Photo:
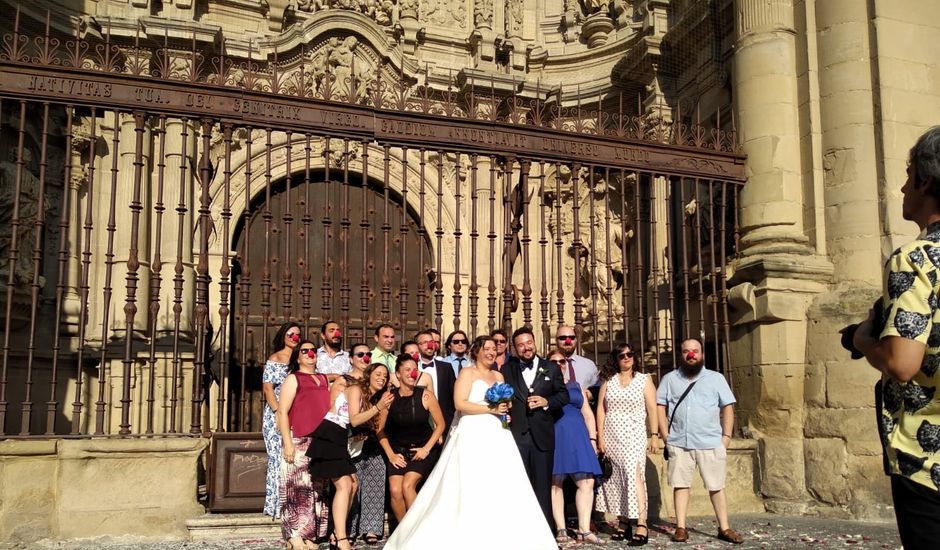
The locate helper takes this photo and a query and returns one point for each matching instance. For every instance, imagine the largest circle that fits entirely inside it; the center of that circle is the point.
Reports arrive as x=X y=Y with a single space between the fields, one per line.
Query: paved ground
x=761 y=531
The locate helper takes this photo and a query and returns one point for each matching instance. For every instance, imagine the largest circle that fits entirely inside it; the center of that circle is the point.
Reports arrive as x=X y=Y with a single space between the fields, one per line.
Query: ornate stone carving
x=28 y=210
x=514 y=18
x=606 y=256
x=335 y=68
x=378 y=10
x=446 y=13
x=483 y=14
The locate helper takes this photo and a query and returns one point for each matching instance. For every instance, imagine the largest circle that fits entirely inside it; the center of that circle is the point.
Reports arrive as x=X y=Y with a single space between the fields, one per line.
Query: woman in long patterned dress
x=305 y=400
x=366 y=401
x=627 y=408
x=275 y=371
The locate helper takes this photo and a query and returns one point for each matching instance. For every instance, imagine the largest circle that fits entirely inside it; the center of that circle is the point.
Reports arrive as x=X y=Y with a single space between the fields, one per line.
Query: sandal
x=587 y=536
x=371 y=539
x=640 y=540
x=561 y=536
x=619 y=532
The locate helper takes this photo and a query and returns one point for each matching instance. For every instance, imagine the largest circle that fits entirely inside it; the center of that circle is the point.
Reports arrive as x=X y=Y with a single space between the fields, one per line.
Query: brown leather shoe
x=681 y=535
x=730 y=535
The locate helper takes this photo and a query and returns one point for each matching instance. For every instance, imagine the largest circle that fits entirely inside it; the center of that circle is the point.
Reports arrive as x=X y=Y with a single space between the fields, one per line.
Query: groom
x=539 y=396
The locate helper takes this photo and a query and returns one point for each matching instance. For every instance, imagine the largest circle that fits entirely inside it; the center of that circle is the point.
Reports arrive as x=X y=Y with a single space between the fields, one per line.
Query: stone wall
x=879 y=89
x=64 y=488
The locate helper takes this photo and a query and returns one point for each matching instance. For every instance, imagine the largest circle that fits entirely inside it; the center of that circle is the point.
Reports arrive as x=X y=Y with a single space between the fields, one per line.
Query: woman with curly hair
x=626 y=409
x=366 y=401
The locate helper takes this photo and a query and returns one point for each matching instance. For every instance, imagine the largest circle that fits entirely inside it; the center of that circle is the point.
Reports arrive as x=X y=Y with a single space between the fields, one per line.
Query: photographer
x=907 y=352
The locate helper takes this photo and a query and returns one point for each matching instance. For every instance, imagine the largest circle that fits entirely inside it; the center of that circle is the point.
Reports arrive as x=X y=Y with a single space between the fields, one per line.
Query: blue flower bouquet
x=499 y=393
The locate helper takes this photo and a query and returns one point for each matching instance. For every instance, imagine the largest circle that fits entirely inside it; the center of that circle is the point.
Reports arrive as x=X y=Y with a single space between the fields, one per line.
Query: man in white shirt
x=332 y=359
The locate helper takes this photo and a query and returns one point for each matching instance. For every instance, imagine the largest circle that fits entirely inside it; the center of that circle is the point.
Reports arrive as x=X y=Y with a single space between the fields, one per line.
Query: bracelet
x=593 y=439
x=726 y=435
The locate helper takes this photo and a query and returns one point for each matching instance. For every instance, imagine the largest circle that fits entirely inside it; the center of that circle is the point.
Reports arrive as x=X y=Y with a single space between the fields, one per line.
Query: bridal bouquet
x=499 y=393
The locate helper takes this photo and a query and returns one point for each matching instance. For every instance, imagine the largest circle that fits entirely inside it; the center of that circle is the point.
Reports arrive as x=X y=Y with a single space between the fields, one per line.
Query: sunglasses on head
x=363 y=354
x=458 y=341
x=565 y=337
x=308 y=351
x=625 y=355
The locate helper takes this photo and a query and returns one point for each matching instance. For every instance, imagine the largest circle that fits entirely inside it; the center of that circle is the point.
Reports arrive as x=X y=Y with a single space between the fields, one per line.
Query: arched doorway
x=320 y=248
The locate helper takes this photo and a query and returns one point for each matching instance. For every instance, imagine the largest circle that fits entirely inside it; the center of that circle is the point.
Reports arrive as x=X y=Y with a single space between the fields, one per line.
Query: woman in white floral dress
x=626 y=409
x=275 y=371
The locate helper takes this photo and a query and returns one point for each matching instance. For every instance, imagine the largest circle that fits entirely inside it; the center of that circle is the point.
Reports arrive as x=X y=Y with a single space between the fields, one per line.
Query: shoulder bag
x=673 y=415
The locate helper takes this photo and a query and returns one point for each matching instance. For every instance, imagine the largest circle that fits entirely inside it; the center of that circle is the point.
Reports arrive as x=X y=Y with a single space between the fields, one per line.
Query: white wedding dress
x=478 y=496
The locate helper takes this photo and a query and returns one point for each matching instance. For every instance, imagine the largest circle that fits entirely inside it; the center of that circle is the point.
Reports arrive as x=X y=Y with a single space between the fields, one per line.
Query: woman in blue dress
x=275 y=371
x=575 y=456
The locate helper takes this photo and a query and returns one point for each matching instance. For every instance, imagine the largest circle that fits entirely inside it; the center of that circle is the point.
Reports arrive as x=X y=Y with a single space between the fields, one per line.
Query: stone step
x=234 y=526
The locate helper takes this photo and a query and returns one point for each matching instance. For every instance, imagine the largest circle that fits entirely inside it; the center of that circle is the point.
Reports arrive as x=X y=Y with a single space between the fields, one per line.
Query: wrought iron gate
x=166 y=208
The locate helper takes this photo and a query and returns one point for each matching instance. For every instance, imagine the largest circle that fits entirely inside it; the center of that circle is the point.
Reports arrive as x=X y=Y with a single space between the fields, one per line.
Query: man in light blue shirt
x=699 y=435
x=458 y=344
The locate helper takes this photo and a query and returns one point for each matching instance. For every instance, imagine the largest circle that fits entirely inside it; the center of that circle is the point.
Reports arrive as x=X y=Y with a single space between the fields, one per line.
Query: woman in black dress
x=406 y=435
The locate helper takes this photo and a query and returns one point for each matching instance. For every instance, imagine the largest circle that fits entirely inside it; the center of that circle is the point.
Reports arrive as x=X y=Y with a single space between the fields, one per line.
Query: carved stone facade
x=824 y=129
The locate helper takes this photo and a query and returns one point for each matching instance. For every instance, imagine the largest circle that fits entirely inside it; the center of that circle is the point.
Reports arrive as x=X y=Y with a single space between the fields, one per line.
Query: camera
x=878 y=325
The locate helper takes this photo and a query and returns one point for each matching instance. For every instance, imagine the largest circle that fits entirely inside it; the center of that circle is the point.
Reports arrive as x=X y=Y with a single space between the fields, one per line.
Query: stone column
x=778 y=276
x=765 y=80
x=843 y=458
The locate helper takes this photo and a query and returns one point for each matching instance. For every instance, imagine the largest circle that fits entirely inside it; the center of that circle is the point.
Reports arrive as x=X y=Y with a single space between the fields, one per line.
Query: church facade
x=180 y=177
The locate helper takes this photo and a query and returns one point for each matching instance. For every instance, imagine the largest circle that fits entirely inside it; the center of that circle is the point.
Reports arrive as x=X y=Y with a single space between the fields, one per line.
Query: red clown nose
x=337 y=333
x=690 y=356
x=414 y=375
x=415 y=356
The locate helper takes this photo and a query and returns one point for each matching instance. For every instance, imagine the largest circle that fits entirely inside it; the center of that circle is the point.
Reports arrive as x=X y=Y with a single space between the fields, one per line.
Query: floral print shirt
x=910 y=413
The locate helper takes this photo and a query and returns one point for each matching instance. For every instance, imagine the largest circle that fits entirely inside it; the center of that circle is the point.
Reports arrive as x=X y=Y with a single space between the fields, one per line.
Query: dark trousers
x=538 y=465
x=917 y=509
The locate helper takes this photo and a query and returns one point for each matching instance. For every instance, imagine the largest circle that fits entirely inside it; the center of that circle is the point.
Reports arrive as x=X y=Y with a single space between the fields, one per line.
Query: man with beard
x=440 y=373
x=695 y=410
x=332 y=359
x=540 y=395
x=585 y=370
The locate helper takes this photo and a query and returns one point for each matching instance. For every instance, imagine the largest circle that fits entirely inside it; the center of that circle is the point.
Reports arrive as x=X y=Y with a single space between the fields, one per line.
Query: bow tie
x=527 y=366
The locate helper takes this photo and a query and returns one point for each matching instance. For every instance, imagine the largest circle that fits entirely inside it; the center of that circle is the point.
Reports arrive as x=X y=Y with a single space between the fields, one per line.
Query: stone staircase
x=233 y=526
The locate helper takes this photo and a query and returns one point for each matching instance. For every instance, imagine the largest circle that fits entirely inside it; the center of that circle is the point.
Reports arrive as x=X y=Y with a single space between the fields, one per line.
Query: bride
x=478 y=495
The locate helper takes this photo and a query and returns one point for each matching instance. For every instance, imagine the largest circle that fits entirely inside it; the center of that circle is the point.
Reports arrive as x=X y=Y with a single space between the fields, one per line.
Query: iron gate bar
x=58 y=84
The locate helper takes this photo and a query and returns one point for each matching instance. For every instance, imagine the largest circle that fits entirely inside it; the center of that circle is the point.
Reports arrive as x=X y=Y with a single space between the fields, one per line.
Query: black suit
x=445 y=391
x=534 y=429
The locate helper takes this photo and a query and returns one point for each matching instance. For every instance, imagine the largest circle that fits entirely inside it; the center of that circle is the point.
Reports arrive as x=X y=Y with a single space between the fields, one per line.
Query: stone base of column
x=769 y=300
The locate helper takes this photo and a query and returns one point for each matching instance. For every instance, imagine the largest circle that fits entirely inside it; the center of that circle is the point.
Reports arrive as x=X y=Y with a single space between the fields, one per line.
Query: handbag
x=354 y=446
x=673 y=415
x=607 y=467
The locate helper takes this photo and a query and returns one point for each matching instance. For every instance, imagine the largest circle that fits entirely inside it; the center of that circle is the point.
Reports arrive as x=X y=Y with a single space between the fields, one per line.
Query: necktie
x=571 y=376
x=460 y=361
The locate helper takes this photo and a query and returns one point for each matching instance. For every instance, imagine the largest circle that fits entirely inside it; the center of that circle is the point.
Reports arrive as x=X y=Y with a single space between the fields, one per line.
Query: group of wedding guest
x=352 y=423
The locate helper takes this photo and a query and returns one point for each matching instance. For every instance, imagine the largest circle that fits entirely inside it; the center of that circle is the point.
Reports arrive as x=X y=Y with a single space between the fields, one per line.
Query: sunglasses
x=565 y=337
x=458 y=341
x=500 y=342
x=625 y=355
x=363 y=354
x=308 y=351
